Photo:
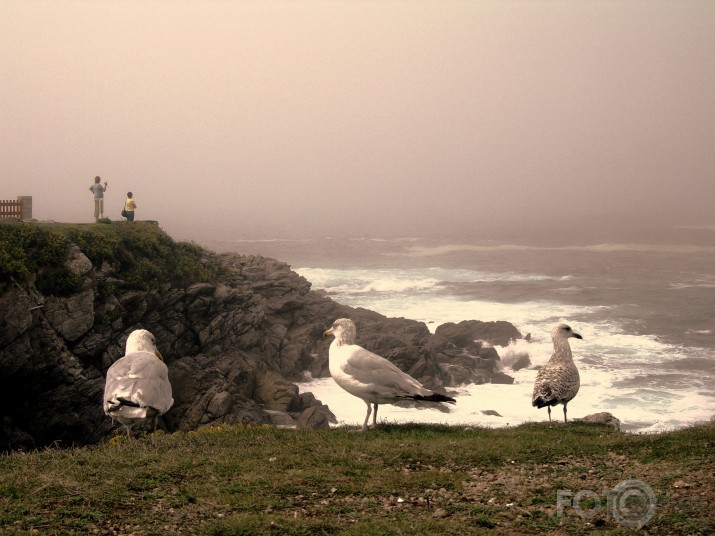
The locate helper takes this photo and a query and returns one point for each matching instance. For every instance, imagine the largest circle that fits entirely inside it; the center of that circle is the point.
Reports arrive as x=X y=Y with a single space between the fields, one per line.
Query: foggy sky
x=280 y=118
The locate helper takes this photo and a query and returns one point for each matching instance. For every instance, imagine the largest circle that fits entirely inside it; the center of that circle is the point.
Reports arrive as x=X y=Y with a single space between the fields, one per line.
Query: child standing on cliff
x=98 y=190
x=129 y=206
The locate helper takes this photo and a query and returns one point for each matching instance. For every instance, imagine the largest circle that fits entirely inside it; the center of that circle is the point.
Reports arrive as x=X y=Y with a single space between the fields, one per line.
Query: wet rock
x=501 y=378
x=522 y=361
x=601 y=418
x=465 y=333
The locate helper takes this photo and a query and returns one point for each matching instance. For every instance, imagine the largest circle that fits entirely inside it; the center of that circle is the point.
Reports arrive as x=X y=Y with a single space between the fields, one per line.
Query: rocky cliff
x=234 y=343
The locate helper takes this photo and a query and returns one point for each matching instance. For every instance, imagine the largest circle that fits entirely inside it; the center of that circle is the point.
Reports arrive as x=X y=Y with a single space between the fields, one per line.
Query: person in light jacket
x=98 y=190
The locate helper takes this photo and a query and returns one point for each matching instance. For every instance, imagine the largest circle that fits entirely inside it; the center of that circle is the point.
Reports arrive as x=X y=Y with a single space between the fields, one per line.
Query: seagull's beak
x=158 y=354
x=328 y=332
x=577 y=335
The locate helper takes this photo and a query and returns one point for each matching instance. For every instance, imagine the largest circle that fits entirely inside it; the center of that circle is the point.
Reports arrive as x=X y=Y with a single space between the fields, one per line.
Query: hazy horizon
x=269 y=118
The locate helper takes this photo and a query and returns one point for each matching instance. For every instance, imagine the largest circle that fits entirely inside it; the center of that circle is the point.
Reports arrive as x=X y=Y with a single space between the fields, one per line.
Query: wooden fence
x=20 y=209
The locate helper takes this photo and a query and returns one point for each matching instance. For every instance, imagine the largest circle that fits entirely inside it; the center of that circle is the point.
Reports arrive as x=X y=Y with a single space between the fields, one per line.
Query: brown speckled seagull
x=558 y=381
x=369 y=376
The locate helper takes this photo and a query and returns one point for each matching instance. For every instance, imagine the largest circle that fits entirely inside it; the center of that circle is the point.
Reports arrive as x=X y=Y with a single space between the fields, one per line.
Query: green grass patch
x=398 y=479
x=142 y=255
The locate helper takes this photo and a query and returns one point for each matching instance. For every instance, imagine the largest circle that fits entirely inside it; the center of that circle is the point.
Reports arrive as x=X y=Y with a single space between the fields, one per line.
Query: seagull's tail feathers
x=542 y=402
x=544 y=396
x=121 y=401
x=123 y=408
x=434 y=397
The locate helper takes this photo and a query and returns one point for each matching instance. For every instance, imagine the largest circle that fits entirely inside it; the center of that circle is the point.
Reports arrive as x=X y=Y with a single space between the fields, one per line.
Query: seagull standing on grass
x=558 y=381
x=137 y=389
x=370 y=377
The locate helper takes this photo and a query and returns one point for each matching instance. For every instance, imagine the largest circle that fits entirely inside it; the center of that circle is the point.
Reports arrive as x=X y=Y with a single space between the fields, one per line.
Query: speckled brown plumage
x=558 y=381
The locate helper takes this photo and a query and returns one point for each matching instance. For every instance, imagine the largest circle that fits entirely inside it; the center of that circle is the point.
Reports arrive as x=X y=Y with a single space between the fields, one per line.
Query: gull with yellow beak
x=369 y=376
x=137 y=389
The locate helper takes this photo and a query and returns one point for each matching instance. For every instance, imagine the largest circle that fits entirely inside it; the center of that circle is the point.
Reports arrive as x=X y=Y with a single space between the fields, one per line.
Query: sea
x=644 y=304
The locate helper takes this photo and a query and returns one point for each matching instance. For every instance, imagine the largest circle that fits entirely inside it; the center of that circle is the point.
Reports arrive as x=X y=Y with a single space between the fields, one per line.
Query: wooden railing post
x=25 y=207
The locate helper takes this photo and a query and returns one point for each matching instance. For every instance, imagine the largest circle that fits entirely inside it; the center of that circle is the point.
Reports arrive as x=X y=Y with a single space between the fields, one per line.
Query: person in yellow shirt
x=129 y=207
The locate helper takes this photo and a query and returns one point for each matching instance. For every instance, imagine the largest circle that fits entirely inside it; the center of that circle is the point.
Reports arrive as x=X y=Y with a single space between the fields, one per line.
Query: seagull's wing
x=379 y=376
x=554 y=383
x=140 y=378
x=541 y=389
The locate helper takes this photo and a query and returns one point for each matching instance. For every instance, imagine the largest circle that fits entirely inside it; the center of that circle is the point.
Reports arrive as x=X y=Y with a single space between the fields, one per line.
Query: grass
x=398 y=479
x=145 y=256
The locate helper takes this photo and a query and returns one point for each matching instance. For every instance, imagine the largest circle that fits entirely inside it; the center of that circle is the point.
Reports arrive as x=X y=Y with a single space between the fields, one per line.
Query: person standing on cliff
x=98 y=190
x=129 y=206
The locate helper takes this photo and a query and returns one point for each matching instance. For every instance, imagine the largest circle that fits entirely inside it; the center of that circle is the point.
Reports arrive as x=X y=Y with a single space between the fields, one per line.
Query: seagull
x=369 y=376
x=557 y=382
x=137 y=389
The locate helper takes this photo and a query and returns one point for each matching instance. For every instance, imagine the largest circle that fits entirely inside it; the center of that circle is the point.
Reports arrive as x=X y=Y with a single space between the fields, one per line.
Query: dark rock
x=71 y=317
x=490 y=412
x=522 y=361
x=316 y=417
x=501 y=378
x=281 y=419
x=465 y=333
x=276 y=393
x=15 y=314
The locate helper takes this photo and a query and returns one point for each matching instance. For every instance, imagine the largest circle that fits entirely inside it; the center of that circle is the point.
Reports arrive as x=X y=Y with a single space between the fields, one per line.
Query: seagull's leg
x=367 y=417
x=374 y=417
x=565 y=419
x=129 y=434
x=155 y=421
x=549 y=408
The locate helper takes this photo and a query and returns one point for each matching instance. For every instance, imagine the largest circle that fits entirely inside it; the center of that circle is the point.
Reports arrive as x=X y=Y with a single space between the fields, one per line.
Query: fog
x=279 y=119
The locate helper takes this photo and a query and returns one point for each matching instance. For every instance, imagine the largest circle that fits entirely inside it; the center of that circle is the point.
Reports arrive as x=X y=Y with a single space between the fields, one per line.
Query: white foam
x=637 y=411
x=622 y=373
x=433 y=251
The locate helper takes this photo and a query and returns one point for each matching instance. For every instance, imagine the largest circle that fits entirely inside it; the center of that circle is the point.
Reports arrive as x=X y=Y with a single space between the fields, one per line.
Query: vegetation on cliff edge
x=144 y=255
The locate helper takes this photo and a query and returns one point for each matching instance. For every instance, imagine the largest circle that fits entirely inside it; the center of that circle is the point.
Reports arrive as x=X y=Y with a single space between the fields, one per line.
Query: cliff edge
x=235 y=331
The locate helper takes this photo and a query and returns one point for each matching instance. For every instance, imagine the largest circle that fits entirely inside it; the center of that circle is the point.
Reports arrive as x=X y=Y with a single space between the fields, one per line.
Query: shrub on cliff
x=28 y=251
x=144 y=255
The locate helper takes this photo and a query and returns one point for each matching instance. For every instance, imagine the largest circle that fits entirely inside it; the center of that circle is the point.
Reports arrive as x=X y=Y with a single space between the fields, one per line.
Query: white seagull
x=558 y=381
x=370 y=377
x=137 y=389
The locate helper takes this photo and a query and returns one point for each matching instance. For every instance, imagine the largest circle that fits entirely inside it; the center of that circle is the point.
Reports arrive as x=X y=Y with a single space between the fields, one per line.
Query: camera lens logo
x=632 y=503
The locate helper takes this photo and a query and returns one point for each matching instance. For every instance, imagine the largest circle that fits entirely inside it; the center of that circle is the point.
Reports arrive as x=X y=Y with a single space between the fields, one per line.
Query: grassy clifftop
x=407 y=479
x=145 y=255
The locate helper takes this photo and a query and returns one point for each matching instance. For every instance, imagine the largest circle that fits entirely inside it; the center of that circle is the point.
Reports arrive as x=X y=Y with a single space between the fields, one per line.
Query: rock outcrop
x=601 y=418
x=474 y=332
x=234 y=347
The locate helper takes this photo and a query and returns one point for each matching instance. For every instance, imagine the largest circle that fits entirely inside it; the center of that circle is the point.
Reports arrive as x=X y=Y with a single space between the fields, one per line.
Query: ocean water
x=645 y=308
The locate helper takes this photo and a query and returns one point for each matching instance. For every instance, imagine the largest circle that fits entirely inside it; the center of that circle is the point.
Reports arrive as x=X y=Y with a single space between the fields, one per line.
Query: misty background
x=261 y=119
